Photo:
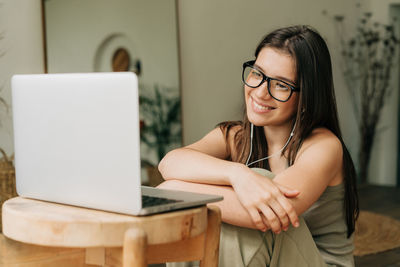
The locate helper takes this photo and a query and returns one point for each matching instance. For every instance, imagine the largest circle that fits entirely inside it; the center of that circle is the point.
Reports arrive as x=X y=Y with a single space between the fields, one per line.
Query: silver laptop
x=76 y=140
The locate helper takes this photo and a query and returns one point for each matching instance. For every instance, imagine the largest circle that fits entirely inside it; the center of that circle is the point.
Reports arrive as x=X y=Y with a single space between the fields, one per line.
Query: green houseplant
x=160 y=114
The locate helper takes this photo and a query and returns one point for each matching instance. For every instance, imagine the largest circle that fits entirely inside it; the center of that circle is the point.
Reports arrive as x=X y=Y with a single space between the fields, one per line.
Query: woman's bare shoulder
x=219 y=142
x=322 y=140
x=322 y=135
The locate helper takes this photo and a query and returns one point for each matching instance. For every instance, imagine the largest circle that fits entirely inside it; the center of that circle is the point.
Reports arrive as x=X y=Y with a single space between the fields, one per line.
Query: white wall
x=20 y=24
x=76 y=29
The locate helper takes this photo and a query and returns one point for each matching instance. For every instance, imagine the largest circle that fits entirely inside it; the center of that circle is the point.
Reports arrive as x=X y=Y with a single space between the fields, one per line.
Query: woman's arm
x=201 y=162
x=318 y=164
x=232 y=211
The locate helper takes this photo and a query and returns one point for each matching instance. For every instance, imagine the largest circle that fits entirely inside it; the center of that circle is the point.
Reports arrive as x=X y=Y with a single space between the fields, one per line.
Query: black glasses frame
x=268 y=79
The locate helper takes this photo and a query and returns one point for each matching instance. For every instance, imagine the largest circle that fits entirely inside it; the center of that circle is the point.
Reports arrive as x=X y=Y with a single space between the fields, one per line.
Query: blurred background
x=188 y=55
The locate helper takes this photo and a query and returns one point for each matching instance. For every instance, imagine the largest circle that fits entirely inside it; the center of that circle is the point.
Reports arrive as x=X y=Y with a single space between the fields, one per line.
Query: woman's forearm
x=232 y=211
x=193 y=166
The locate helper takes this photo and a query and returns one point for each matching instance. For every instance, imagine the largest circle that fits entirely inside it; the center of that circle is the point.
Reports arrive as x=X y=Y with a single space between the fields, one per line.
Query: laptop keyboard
x=148 y=201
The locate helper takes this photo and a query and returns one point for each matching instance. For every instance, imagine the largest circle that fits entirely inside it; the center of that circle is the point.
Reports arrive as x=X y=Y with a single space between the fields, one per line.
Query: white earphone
x=278 y=152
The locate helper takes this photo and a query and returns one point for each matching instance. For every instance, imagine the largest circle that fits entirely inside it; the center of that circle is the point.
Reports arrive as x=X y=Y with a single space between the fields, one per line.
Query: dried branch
x=367 y=60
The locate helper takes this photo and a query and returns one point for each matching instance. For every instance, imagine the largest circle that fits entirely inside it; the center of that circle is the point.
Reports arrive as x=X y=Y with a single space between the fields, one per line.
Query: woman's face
x=262 y=109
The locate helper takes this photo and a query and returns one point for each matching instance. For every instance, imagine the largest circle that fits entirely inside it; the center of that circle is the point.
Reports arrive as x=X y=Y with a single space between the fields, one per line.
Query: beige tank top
x=326 y=220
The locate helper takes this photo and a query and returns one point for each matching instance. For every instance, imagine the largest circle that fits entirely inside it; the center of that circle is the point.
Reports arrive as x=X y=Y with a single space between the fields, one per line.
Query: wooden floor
x=383 y=200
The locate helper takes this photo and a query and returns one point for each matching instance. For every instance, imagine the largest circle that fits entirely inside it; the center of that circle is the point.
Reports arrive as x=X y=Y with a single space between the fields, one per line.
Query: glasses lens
x=279 y=90
x=252 y=77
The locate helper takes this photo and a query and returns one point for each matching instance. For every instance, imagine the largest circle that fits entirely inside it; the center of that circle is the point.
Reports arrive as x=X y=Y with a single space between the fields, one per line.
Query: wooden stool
x=49 y=234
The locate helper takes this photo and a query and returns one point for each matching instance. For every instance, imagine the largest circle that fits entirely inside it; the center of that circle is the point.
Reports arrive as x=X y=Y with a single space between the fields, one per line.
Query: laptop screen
x=77 y=139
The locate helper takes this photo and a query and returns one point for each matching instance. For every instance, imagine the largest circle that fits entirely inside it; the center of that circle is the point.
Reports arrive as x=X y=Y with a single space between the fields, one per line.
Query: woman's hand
x=265 y=200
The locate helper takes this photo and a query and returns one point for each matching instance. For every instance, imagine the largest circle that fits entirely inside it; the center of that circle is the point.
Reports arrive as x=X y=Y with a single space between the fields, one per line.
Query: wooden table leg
x=14 y=254
x=211 y=253
x=95 y=256
x=135 y=246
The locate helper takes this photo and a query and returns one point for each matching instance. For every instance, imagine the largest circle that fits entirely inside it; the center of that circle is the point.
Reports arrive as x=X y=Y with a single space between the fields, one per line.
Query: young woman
x=290 y=134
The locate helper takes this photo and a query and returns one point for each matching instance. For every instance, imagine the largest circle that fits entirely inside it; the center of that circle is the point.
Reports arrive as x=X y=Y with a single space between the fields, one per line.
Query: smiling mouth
x=261 y=107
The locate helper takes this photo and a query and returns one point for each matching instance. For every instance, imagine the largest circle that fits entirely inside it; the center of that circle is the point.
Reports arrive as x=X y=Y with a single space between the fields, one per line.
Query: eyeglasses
x=278 y=89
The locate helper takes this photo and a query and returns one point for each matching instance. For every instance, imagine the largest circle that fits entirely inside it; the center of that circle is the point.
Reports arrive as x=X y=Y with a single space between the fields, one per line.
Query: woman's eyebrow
x=276 y=77
x=286 y=80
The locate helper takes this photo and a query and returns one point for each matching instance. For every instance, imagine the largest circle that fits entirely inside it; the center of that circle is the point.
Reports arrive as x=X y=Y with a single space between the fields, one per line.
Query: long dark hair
x=317 y=107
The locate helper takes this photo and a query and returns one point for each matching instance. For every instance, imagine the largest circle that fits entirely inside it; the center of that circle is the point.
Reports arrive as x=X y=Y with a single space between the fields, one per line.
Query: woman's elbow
x=163 y=166
x=170 y=184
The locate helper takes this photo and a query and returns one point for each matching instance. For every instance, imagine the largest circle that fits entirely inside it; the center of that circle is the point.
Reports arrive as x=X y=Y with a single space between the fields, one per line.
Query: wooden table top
x=50 y=224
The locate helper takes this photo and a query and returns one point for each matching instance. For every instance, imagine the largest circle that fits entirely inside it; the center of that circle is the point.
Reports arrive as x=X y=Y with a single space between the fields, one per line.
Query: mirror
x=123 y=35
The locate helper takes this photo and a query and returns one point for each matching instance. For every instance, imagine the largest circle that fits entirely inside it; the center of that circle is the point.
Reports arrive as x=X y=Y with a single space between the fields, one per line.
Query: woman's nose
x=262 y=90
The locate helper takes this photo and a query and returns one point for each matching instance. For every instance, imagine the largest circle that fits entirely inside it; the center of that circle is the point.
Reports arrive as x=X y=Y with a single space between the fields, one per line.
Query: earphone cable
x=251 y=144
x=280 y=151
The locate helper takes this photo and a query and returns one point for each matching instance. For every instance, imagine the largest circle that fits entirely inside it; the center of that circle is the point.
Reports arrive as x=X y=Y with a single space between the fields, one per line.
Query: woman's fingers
x=265 y=221
x=274 y=198
x=287 y=191
x=271 y=217
x=289 y=210
x=281 y=213
x=263 y=197
x=286 y=205
x=257 y=220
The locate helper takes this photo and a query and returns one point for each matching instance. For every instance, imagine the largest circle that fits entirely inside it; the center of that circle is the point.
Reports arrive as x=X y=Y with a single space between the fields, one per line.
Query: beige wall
x=216 y=37
x=146 y=28
x=20 y=24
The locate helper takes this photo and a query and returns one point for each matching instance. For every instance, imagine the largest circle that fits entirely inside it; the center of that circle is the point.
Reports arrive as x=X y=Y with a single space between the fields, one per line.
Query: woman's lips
x=259 y=107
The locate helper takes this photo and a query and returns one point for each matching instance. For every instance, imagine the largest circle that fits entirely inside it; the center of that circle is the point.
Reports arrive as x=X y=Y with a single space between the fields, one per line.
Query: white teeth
x=261 y=107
